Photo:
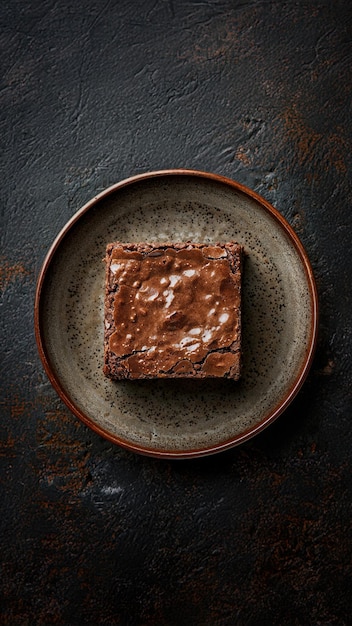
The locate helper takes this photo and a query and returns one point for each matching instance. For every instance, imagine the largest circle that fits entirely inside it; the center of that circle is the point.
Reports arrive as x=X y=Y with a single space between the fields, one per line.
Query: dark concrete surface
x=92 y=92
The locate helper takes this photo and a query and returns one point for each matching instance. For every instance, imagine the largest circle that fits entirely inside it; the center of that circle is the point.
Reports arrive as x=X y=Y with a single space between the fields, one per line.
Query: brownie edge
x=173 y=310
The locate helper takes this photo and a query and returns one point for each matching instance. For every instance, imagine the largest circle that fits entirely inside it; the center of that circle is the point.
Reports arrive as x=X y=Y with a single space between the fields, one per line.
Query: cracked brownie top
x=173 y=310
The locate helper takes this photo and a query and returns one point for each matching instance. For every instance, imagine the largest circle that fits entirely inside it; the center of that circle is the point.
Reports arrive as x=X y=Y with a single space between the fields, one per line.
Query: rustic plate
x=178 y=419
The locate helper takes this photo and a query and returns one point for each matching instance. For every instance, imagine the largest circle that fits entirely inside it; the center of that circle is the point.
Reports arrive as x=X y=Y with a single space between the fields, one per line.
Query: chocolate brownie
x=173 y=310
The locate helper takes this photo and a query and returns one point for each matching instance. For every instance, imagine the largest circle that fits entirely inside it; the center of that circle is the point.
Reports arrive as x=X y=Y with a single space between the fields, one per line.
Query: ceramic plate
x=178 y=418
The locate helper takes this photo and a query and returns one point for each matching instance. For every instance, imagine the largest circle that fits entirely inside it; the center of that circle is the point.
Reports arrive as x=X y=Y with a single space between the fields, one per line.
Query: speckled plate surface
x=176 y=418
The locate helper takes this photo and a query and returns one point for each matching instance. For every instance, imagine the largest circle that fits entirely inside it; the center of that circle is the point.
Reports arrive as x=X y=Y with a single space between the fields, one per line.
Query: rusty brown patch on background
x=337 y=147
x=304 y=138
x=306 y=141
x=18 y=406
x=231 y=36
x=242 y=155
x=7 y=443
x=328 y=368
x=63 y=456
x=10 y=272
x=298 y=222
x=61 y=453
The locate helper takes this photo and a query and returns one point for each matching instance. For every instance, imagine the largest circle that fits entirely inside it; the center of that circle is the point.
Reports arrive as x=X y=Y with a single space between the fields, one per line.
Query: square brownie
x=173 y=310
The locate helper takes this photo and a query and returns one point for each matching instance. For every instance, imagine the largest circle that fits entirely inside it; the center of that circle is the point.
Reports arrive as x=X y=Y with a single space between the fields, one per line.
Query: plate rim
x=288 y=396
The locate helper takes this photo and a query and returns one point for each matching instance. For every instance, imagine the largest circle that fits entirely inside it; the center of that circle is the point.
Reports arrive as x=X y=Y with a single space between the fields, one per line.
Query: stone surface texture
x=92 y=92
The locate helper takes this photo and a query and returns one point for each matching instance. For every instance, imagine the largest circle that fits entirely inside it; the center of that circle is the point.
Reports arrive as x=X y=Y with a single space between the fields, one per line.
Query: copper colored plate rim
x=252 y=431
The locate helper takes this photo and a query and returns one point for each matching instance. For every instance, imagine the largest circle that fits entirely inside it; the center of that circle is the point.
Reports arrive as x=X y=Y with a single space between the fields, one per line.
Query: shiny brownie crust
x=173 y=310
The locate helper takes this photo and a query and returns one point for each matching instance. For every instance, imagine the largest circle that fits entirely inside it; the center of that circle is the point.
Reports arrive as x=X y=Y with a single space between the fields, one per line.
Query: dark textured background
x=92 y=92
